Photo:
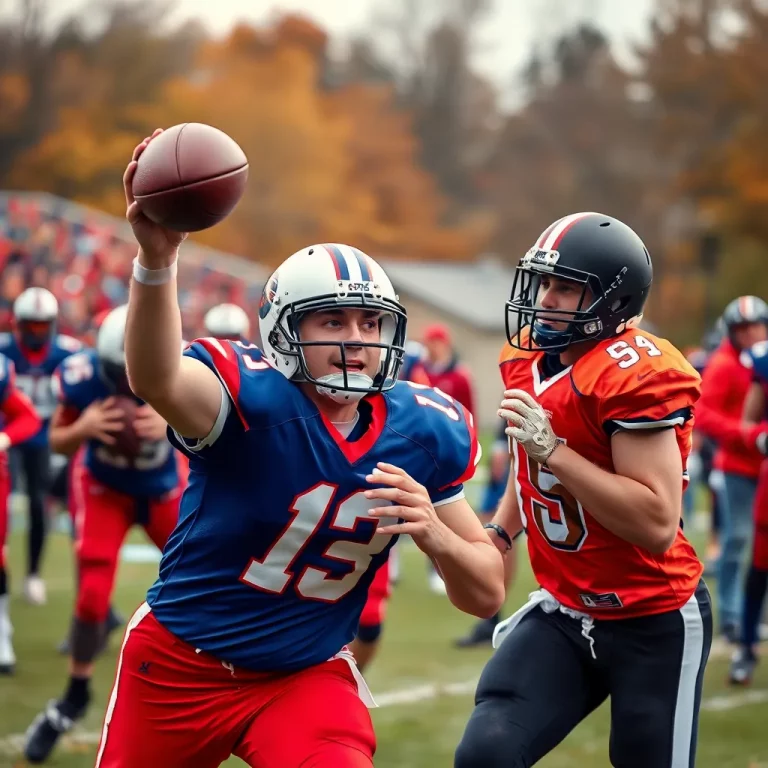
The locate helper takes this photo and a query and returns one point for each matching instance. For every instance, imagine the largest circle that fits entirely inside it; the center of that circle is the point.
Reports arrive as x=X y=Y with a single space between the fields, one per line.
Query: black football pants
x=542 y=681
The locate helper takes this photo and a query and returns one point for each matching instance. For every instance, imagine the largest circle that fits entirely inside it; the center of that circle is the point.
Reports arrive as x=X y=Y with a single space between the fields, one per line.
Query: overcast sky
x=502 y=43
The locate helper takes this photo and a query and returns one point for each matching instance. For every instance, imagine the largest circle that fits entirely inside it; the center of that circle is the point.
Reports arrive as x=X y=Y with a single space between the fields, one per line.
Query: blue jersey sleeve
x=74 y=380
x=64 y=346
x=246 y=380
x=756 y=358
x=448 y=432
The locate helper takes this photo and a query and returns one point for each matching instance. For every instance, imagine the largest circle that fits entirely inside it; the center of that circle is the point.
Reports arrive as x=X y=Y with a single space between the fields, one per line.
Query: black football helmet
x=604 y=256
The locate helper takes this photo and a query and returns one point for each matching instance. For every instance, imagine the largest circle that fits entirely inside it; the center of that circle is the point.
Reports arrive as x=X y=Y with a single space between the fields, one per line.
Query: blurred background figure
x=36 y=349
x=443 y=367
x=227 y=321
x=719 y=416
x=498 y=473
x=445 y=372
x=703 y=478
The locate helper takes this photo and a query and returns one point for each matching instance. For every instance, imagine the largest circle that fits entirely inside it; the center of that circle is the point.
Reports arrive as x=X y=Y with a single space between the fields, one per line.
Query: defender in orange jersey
x=600 y=417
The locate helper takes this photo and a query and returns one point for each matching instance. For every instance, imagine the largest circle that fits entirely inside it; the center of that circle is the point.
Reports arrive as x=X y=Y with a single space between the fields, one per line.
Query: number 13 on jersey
x=280 y=565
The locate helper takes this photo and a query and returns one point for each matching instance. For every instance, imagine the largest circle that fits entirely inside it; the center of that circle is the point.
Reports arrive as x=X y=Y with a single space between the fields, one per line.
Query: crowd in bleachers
x=84 y=259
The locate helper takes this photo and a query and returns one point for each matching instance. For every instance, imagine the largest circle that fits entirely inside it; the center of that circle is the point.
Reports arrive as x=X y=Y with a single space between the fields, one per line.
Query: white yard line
x=13 y=744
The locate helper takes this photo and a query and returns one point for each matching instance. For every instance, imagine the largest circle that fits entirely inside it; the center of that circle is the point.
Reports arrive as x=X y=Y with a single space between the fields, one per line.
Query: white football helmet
x=34 y=312
x=325 y=277
x=227 y=321
x=110 y=348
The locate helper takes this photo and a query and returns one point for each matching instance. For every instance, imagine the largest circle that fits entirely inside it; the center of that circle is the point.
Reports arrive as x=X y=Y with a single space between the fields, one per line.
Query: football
x=127 y=442
x=190 y=177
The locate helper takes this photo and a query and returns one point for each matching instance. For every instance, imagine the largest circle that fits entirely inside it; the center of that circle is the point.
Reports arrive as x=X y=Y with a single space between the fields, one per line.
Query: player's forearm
x=473 y=574
x=508 y=517
x=66 y=439
x=624 y=506
x=153 y=336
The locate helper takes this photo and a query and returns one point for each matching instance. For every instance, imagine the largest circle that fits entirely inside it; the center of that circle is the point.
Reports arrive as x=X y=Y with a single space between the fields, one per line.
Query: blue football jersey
x=756 y=358
x=34 y=374
x=151 y=474
x=270 y=563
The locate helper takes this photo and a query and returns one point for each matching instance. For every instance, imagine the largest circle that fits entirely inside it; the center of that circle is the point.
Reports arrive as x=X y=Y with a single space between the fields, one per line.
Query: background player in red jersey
x=443 y=368
x=126 y=474
x=292 y=506
x=18 y=422
x=744 y=659
x=724 y=388
x=600 y=416
x=444 y=372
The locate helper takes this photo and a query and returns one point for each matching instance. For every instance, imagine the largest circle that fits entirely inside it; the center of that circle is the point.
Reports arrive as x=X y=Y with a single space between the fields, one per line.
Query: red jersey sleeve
x=713 y=416
x=22 y=421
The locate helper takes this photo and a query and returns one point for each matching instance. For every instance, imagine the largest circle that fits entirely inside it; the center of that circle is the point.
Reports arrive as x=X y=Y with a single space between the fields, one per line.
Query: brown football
x=190 y=177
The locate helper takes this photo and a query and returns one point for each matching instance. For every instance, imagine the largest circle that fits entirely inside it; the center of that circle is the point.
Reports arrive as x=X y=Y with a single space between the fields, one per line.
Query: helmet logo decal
x=542 y=259
x=268 y=296
x=617 y=281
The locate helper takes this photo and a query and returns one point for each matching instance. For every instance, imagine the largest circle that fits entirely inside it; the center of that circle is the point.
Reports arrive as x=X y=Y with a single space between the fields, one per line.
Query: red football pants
x=5 y=490
x=103 y=518
x=760 y=546
x=176 y=708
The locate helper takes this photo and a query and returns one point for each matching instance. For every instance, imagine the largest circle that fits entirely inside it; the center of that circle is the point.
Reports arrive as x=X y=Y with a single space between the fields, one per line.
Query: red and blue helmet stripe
x=349 y=263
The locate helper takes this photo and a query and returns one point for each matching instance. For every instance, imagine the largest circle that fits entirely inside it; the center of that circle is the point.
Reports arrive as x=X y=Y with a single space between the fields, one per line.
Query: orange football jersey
x=632 y=381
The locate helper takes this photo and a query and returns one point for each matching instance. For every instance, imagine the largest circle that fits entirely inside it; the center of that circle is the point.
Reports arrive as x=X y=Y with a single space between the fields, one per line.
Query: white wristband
x=154 y=276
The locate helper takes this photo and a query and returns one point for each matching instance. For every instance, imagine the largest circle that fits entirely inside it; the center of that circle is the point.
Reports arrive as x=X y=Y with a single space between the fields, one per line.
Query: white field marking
x=74 y=742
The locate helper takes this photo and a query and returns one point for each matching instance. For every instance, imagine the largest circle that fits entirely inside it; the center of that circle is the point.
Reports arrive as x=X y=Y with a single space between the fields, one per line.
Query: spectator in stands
x=443 y=367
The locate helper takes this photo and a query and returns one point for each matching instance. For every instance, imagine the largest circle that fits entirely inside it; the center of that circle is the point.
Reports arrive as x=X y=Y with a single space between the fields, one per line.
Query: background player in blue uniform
x=290 y=510
x=18 y=421
x=756 y=585
x=36 y=350
x=116 y=483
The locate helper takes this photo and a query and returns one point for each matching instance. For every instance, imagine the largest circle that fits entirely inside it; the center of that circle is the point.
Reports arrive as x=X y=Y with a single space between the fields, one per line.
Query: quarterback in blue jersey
x=125 y=473
x=297 y=491
x=744 y=658
x=36 y=350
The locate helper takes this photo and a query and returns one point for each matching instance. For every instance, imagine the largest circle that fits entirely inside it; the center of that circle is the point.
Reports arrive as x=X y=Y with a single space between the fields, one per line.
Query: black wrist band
x=502 y=534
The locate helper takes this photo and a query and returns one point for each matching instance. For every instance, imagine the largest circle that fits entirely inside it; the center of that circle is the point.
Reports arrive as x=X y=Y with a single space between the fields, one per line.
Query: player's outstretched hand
x=149 y=424
x=528 y=424
x=158 y=243
x=101 y=420
x=410 y=502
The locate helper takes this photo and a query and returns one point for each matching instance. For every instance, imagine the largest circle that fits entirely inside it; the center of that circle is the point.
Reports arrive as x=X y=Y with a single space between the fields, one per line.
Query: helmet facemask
x=346 y=385
x=597 y=314
x=35 y=335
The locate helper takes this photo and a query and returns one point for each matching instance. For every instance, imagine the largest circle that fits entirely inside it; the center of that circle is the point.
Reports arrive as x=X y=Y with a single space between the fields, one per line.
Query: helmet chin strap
x=331 y=386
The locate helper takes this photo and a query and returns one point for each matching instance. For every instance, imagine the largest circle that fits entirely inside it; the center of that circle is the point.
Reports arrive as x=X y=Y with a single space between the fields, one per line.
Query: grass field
x=423 y=683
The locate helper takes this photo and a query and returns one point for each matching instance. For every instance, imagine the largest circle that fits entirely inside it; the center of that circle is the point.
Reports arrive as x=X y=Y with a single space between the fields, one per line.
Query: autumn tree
x=98 y=85
x=425 y=48
x=706 y=70
x=577 y=144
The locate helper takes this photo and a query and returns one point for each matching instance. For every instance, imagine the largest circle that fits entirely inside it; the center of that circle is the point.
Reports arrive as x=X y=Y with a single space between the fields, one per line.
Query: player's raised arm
x=182 y=390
